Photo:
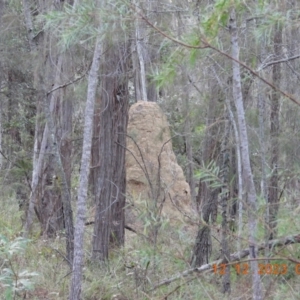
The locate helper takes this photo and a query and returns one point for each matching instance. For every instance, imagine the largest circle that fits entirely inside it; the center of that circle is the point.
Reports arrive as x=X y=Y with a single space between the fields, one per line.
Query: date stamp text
x=263 y=269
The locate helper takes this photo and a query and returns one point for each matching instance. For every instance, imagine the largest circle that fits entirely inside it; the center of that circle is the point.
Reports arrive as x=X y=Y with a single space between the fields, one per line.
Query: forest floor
x=39 y=269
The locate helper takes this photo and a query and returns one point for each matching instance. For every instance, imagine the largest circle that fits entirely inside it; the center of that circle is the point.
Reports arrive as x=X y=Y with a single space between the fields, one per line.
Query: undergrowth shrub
x=13 y=279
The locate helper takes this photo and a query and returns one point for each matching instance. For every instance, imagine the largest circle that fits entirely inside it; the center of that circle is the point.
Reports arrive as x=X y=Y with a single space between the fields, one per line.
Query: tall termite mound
x=152 y=171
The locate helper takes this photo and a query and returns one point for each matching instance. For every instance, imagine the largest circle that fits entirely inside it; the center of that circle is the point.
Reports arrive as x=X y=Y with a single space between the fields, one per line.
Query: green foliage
x=12 y=279
x=218 y=17
x=213 y=19
x=86 y=21
x=15 y=5
x=167 y=72
x=149 y=213
x=269 y=17
x=22 y=166
x=200 y=129
x=210 y=175
x=71 y=25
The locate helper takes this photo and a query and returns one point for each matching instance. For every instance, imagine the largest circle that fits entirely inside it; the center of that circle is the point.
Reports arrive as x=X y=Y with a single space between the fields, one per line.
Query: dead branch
x=286 y=59
x=237 y=256
x=68 y=83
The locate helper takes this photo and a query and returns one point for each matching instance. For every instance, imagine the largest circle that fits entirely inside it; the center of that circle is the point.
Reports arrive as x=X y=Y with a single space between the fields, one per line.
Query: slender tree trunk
x=249 y=187
x=50 y=190
x=49 y=205
x=207 y=199
x=189 y=149
x=64 y=185
x=239 y=172
x=142 y=71
x=261 y=99
x=37 y=160
x=37 y=167
x=187 y=122
x=273 y=197
x=290 y=78
x=75 y=288
x=236 y=167
x=145 y=52
x=224 y=198
x=65 y=132
x=29 y=25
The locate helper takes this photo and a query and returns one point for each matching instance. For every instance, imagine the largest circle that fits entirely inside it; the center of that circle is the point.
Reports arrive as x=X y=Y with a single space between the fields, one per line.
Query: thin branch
x=278 y=62
x=145 y=171
x=294 y=71
x=5 y=157
x=193 y=84
x=68 y=83
x=275 y=88
x=165 y=34
x=61 y=254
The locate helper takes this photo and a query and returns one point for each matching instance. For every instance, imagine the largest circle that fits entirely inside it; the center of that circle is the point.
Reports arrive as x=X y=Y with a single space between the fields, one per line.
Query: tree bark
x=207 y=199
x=249 y=187
x=144 y=54
x=273 y=197
x=63 y=206
x=75 y=287
x=111 y=187
x=141 y=75
x=29 y=25
x=189 y=149
x=50 y=189
x=224 y=198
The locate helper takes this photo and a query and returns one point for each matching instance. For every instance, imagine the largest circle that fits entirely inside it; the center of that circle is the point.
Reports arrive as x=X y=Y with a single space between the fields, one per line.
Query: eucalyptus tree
x=248 y=182
x=207 y=197
x=109 y=181
x=50 y=189
x=75 y=288
x=145 y=55
x=273 y=194
x=289 y=133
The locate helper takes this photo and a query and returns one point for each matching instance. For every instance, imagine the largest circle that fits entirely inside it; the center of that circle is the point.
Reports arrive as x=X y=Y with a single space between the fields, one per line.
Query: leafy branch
x=204 y=43
x=13 y=280
x=210 y=175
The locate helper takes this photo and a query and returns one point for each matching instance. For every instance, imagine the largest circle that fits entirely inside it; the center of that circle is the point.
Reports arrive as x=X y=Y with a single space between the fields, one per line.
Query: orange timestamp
x=263 y=269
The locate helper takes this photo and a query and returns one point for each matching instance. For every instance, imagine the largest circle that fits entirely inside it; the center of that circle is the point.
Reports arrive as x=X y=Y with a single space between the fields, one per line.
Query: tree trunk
x=189 y=149
x=111 y=188
x=141 y=73
x=207 y=199
x=144 y=54
x=50 y=189
x=75 y=287
x=62 y=207
x=248 y=183
x=273 y=197
x=238 y=169
x=224 y=198
x=29 y=25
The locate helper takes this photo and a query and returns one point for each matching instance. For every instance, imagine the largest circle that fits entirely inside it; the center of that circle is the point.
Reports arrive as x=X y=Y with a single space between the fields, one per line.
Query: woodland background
x=226 y=74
